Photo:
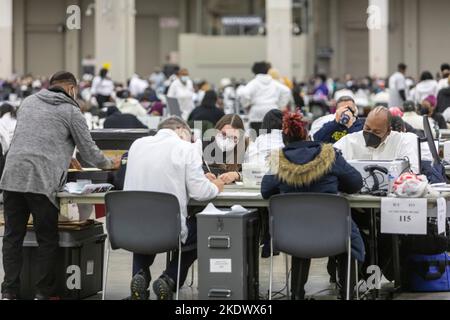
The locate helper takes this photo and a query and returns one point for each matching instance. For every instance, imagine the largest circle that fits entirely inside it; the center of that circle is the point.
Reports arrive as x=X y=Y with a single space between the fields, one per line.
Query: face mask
x=225 y=144
x=184 y=79
x=424 y=111
x=372 y=140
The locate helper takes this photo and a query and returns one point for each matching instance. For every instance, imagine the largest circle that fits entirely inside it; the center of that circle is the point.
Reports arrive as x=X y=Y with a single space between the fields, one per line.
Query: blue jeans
x=143 y=262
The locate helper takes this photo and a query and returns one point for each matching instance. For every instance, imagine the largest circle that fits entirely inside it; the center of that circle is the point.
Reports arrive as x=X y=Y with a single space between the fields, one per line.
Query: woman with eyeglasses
x=225 y=152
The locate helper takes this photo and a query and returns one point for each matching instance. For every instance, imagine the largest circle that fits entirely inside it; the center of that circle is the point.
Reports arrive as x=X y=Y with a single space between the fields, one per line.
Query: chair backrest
x=143 y=222
x=310 y=225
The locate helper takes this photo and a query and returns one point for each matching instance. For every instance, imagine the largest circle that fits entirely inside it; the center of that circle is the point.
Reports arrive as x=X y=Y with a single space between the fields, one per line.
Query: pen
x=207 y=166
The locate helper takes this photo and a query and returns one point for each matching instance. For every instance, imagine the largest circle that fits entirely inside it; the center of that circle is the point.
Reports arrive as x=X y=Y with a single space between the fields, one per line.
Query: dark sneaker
x=163 y=288
x=139 y=288
x=9 y=296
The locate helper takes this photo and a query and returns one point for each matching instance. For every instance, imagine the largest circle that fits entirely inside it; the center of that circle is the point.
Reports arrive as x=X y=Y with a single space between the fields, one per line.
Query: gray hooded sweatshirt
x=49 y=125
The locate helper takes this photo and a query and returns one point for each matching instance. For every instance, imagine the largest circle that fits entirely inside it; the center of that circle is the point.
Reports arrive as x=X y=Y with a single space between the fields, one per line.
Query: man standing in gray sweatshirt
x=49 y=126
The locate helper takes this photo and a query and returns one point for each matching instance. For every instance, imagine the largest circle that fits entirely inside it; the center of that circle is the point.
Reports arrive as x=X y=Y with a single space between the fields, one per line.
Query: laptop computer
x=375 y=172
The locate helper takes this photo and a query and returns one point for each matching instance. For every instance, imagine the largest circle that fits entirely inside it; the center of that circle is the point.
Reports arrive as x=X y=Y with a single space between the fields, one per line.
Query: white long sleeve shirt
x=165 y=163
x=396 y=146
x=7 y=127
x=263 y=94
x=185 y=95
x=104 y=87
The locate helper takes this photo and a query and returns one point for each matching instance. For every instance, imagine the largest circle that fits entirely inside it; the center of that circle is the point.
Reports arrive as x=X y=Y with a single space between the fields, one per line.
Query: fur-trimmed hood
x=302 y=163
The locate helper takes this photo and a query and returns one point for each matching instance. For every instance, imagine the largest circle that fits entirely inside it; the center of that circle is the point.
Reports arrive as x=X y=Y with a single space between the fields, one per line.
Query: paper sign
x=220 y=265
x=404 y=216
x=441 y=215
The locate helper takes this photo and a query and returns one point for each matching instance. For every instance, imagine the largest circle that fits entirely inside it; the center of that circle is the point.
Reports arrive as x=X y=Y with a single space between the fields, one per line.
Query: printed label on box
x=220 y=265
x=90 y=268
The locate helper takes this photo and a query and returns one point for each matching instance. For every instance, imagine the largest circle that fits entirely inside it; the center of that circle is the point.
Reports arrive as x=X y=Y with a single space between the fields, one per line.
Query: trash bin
x=79 y=271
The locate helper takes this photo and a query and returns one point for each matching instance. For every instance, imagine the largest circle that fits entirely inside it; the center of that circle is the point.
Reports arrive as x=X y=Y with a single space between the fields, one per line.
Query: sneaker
x=8 y=296
x=163 y=288
x=139 y=288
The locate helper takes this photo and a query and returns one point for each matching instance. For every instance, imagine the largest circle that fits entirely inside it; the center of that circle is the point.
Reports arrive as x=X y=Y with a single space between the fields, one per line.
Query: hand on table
x=211 y=177
x=219 y=184
x=229 y=177
x=117 y=161
x=74 y=164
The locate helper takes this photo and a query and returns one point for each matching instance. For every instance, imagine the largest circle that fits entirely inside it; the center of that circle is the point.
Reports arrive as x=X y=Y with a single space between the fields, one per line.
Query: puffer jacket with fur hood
x=313 y=167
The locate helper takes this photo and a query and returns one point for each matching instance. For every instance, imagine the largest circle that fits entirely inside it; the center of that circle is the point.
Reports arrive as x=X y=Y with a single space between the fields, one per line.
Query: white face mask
x=225 y=144
x=184 y=79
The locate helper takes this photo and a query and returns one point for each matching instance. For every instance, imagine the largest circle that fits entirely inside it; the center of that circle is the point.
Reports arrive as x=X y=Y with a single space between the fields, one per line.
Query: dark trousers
x=300 y=273
x=143 y=262
x=17 y=209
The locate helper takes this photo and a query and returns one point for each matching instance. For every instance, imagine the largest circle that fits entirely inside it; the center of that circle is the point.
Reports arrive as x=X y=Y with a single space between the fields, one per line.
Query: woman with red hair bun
x=311 y=167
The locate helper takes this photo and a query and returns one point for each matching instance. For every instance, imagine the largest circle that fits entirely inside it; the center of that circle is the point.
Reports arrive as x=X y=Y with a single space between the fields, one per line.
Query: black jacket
x=123 y=121
x=443 y=100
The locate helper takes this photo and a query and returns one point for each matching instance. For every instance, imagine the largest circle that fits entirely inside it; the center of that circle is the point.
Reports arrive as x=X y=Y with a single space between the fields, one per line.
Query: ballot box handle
x=219 y=242
x=219 y=293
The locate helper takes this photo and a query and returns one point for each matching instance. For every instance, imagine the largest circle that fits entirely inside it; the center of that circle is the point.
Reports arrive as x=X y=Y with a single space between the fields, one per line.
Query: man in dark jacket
x=49 y=125
x=311 y=167
x=346 y=122
x=118 y=120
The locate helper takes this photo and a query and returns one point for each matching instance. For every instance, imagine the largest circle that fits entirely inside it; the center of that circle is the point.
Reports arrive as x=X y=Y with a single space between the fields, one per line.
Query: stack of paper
x=212 y=210
x=79 y=188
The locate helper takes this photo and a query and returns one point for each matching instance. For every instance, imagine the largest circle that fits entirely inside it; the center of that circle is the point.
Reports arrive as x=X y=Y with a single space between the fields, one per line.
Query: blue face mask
x=184 y=79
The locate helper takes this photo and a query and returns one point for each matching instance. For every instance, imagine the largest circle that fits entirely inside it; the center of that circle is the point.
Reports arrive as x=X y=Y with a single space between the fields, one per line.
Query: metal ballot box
x=228 y=256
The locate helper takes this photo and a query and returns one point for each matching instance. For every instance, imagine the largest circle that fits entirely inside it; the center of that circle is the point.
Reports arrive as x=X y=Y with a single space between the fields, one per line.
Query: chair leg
x=191 y=284
x=356 y=279
x=179 y=267
x=105 y=271
x=271 y=269
x=287 y=276
x=349 y=266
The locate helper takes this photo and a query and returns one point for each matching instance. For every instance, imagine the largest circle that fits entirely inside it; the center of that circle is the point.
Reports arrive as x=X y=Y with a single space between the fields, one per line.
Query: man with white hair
x=377 y=141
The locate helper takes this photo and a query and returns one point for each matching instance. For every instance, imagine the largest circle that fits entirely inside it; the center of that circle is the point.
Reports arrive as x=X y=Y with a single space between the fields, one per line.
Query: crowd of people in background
x=363 y=118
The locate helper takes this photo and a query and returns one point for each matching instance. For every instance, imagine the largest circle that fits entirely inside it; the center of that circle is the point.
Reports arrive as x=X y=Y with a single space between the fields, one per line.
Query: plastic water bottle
x=392 y=176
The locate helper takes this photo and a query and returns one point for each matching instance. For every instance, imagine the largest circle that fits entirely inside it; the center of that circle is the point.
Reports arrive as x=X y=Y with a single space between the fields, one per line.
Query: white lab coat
x=263 y=94
x=319 y=123
x=131 y=106
x=137 y=86
x=259 y=151
x=184 y=94
x=104 y=87
x=165 y=163
x=424 y=89
x=398 y=145
x=7 y=127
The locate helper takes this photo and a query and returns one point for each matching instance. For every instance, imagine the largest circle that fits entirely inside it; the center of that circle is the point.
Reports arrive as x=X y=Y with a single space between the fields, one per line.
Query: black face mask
x=424 y=111
x=372 y=140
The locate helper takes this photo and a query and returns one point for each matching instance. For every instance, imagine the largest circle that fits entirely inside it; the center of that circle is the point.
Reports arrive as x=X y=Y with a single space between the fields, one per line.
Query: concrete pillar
x=115 y=36
x=334 y=38
x=6 y=34
x=19 y=45
x=72 y=45
x=279 y=35
x=378 y=21
x=411 y=36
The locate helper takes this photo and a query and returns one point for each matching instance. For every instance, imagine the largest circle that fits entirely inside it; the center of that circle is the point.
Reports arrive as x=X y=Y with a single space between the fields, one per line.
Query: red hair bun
x=294 y=126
